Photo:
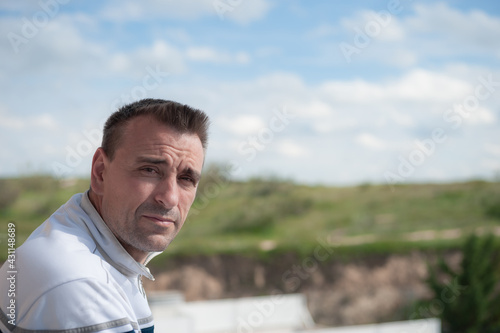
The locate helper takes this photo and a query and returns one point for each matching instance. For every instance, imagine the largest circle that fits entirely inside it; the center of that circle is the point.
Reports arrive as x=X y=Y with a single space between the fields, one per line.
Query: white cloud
x=432 y=30
x=161 y=53
x=354 y=91
x=424 y=85
x=353 y=124
x=374 y=121
x=20 y=6
x=416 y=85
x=58 y=44
x=392 y=32
x=332 y=121
x=313 y=109
x=132 y=10
x=10 y=122
x=340 y=122
x=370 y=141
x=119 y=62
x=439 y=30
x=473 y=28
x=370 y=23
x=242 y=12
x=42 y=121
x=402 y=119
x=292 y=149
x=402 y=58
x=322 y=31
x=243 y=124
x=209 y=54
x=492 y=165
x=493 y=149
x=481 y=115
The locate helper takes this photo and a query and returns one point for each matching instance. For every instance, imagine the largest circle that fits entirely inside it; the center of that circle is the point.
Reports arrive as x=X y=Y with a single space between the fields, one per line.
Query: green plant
x=492 y=207
x=8 y=193
x=38 y=183
x=469 y=298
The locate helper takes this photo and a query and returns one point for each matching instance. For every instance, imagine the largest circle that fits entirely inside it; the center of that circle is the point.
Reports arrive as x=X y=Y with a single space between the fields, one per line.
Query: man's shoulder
x=61 y=276
x=59 y=257
x=60 y=250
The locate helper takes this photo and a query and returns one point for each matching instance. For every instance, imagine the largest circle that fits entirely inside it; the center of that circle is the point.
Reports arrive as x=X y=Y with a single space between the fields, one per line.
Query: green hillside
x=264 y=216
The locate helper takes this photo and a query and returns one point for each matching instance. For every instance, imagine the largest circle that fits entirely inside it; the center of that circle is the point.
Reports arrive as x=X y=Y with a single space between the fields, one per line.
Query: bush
x=492 y=208
x=38 y=183
x=249 y=222
x=8 y=193
x=469 y=299
x=264 y=187
x=489 y=202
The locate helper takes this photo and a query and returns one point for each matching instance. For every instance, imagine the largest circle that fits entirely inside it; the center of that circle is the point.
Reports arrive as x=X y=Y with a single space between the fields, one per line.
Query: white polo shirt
x=73 y=276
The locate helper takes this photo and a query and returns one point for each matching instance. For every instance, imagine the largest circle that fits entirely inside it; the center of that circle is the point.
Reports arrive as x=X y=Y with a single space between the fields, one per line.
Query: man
x=80 y=271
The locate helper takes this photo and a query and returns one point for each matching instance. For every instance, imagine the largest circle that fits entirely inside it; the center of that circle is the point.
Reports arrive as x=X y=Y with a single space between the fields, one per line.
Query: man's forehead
x=147 y=125
x=149 y=128
x=146 y=135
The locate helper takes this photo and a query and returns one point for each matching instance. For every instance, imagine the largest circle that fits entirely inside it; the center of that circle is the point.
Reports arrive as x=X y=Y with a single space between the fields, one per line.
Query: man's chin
x=157 y=245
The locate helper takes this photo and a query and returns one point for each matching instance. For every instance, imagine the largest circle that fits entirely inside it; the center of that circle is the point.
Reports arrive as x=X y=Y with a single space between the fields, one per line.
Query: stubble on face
x=133 y=234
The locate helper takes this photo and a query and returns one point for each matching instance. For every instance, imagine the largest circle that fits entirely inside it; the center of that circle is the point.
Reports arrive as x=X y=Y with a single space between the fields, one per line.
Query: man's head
x=182 y=118
x=144 y=177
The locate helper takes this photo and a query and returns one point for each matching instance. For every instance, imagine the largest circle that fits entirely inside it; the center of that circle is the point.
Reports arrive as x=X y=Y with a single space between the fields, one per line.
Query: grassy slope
x=260 y=217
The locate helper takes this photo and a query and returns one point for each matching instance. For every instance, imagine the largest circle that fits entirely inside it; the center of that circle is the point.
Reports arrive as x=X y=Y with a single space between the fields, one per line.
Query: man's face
x=149 y=186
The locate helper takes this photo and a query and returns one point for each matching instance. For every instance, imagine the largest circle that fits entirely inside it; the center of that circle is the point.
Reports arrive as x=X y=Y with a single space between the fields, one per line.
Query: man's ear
x=99 y=163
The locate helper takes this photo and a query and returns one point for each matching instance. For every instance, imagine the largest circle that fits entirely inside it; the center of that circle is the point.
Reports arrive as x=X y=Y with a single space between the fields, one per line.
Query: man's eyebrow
x=155 y=160
x=152 y=160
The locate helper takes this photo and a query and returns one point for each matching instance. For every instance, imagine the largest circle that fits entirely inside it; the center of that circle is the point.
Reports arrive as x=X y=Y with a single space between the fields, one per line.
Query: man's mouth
x=160 y=220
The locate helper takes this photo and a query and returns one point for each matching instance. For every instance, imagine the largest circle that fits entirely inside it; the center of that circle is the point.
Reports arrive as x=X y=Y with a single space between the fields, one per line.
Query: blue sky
x=322 y=92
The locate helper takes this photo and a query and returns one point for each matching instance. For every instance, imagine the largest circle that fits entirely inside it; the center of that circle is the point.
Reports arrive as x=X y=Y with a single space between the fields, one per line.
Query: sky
x=318 y=92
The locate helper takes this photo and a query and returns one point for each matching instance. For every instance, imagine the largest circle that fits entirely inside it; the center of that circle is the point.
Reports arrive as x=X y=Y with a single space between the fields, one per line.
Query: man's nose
x=167 y=192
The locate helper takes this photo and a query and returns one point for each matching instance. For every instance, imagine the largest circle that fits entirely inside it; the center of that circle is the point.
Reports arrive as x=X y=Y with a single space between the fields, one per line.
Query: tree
x=470 y=297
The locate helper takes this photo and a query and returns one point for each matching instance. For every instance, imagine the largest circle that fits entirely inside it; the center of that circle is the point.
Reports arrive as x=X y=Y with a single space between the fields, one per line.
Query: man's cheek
x=190 y=196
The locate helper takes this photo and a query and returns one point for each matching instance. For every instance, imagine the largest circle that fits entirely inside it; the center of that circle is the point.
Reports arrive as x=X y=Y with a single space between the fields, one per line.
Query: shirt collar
x=109 y=246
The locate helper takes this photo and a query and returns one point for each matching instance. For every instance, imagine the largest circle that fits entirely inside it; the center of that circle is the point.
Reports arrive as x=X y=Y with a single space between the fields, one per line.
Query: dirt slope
x=372 y=289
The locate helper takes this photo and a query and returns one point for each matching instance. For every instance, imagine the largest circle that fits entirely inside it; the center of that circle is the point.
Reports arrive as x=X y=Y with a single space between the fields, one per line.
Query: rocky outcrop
x=375 y=288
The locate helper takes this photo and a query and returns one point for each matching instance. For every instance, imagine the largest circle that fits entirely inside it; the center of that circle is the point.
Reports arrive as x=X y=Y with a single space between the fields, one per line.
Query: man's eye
x=149 y=170
x=188 y=179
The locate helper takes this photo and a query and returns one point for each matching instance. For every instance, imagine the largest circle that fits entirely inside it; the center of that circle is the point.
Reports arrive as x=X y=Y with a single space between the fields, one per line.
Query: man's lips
x=160 y=220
